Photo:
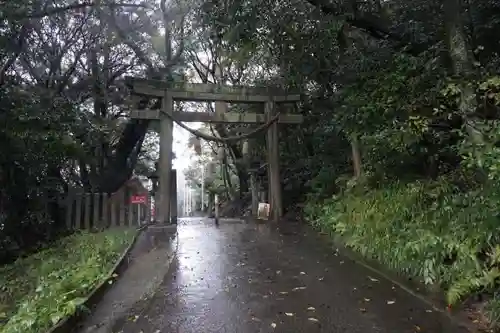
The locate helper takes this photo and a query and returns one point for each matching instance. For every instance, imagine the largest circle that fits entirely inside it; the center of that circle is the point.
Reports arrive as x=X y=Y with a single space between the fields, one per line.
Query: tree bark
x=461 y=63
x=356 y=156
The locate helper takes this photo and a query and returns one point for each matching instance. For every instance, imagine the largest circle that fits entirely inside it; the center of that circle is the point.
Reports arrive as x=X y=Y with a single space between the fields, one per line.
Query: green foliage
x=492 y=310
x=40 y=290
x=428 y=230
x=35 y=146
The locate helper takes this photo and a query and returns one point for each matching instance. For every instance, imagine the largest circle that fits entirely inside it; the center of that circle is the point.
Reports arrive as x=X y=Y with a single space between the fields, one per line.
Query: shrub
x=428 y=230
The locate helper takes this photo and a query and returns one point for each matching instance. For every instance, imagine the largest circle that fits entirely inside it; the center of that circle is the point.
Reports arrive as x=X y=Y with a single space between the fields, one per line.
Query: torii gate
x=194 y=92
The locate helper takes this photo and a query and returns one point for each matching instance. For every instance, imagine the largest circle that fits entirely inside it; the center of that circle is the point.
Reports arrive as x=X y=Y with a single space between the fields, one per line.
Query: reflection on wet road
x=247 y=278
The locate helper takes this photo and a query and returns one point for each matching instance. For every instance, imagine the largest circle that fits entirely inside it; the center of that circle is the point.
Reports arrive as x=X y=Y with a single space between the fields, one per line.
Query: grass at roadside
x=38 y=291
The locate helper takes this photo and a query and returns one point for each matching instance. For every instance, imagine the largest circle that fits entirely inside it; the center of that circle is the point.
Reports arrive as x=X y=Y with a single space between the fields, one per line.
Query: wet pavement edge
x=146 y=264
x=435 y=302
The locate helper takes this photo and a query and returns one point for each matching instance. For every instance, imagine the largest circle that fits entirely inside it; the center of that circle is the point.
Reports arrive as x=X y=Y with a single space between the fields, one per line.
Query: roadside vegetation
x=40 y=290
x=436 y=222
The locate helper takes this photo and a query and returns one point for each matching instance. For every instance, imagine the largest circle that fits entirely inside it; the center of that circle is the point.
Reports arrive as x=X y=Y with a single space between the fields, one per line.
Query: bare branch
x=72 y=7
x=137 y=50
x=18 y=48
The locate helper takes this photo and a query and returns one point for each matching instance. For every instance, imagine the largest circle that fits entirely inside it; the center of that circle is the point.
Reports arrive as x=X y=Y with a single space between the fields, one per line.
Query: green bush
x=429 y=230
x=40 y=290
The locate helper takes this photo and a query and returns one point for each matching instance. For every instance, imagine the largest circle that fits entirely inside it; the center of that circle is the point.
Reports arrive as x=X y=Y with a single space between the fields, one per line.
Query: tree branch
x=74 y=6
x=373 y=26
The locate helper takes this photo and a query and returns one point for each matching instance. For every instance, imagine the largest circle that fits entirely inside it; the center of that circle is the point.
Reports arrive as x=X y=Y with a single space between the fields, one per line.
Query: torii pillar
x=166 y=177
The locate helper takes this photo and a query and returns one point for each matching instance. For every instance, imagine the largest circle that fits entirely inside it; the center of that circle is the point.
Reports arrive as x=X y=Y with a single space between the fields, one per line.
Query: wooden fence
x=102 y=210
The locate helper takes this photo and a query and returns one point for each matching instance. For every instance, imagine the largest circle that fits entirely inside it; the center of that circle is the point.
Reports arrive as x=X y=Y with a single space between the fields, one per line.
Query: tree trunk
x=356 y=156
x=121 y=165
x=461 y=60
x=227 y=176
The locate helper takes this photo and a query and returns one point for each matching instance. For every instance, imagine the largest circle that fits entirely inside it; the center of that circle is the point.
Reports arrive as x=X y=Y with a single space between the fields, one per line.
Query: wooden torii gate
x=194 y=92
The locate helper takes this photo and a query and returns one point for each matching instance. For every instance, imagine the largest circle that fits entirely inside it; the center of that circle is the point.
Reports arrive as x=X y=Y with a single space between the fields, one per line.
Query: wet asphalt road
x=248 y=278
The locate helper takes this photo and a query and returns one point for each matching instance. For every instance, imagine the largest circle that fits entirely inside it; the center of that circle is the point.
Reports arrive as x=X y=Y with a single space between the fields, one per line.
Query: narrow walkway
x=148 y=265
x=248 y=278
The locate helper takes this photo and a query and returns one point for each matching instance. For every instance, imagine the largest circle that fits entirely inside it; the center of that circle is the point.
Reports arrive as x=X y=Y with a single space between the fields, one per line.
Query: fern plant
x=480 y=280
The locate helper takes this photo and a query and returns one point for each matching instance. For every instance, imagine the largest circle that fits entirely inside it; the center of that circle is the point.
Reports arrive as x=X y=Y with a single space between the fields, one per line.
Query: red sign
x=138 y=199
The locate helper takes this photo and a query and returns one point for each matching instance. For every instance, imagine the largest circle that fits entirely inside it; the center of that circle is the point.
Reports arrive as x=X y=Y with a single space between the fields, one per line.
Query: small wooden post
x=131 y=211
x=216 y=209
x=139 y=212
x=78 y=213
x=112 y=208
x=70 y=202
x=254 y=187
x=97 y=210
x=173 y=197
x=122 y=197
x=88 y=200
x=274 y=167
x=166 y=137
x=147 y=215
x=105 y=209
x=156 y=205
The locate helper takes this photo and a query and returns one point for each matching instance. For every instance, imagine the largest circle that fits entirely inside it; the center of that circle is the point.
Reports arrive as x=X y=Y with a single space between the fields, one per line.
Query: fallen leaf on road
x=391 y=302
x=302 y=273
x=313 y=319
x=417 y=328
x=273 y=325
x=298 y=288
x=372 y=279
x=278 y=272
x=311 y=308
x=289 y=314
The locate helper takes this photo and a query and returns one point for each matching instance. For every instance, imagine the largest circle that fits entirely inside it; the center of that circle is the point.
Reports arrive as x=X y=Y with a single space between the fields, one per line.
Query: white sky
x=182 y=152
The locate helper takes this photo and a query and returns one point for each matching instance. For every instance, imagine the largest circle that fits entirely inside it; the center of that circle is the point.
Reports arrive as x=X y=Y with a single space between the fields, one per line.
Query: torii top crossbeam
x=201 y=92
